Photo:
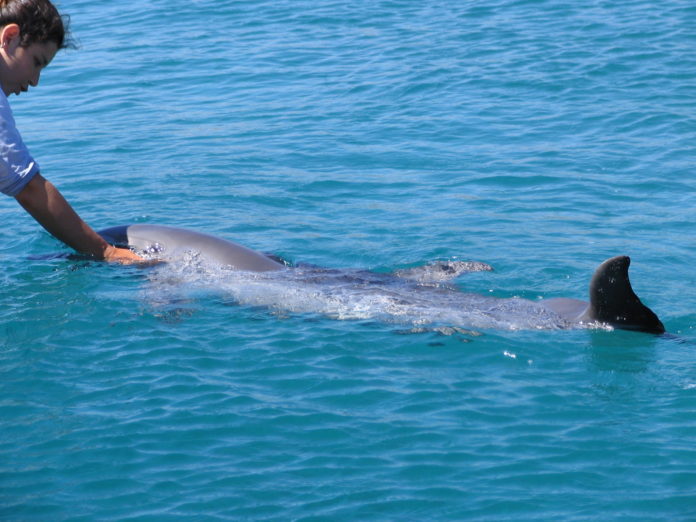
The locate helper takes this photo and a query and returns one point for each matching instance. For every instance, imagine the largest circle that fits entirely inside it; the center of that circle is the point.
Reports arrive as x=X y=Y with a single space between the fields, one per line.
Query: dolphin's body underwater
x=612 y=300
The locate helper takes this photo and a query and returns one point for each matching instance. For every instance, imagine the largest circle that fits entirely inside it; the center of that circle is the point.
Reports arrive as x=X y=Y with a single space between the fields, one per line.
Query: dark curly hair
x=38 y=21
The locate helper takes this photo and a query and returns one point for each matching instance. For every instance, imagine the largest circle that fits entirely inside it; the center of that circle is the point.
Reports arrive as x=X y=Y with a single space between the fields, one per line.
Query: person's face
x=20 y=67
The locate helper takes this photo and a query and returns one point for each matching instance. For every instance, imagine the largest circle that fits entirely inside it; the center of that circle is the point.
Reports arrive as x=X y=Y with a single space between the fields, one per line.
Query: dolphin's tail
x=613 y=301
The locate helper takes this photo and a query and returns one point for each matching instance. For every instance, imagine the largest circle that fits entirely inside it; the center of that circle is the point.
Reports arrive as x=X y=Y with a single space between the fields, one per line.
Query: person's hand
x=123 y=256
x=48 y=206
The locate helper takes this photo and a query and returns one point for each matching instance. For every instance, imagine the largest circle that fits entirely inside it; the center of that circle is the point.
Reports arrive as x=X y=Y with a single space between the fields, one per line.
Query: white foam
x=348 y=295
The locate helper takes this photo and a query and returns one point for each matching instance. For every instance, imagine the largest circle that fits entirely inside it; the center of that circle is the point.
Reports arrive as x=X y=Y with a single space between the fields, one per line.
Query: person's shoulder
x=5 y=109
x=4 y=102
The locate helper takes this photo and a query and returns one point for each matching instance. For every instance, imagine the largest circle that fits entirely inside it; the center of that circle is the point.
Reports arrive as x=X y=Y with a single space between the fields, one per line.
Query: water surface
x=538 y=137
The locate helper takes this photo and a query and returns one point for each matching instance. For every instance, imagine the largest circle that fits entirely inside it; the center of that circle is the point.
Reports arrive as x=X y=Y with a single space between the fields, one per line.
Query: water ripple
x=538 y=137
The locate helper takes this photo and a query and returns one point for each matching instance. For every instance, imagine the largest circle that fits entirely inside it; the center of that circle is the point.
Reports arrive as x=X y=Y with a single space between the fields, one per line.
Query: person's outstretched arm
x=48 y=206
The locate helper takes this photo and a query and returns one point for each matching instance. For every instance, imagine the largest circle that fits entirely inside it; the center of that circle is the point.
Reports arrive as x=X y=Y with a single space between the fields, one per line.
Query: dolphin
x=612 y=300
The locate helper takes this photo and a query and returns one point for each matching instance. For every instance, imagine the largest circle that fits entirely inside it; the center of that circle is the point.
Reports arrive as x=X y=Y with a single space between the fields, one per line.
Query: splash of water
x=415 y=300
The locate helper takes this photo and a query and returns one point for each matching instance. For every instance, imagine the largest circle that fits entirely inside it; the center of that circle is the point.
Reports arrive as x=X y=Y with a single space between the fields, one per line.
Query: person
x=31 y=33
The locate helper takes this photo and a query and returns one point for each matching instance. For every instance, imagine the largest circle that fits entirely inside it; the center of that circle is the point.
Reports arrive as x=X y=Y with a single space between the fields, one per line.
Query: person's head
x=31 y=33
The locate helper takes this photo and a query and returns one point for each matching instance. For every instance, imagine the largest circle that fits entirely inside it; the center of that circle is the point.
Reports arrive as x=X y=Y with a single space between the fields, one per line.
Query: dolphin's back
x=169 y=242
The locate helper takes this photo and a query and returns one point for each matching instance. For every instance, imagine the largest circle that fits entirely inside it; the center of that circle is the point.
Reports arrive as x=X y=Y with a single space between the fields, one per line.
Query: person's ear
x=10 y=37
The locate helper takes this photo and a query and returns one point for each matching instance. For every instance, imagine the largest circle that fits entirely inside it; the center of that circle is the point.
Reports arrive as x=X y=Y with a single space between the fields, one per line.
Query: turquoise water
x=535 y=136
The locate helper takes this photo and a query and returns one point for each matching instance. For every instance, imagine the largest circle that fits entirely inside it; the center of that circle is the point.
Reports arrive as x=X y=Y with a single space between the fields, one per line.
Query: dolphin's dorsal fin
x=613 y=301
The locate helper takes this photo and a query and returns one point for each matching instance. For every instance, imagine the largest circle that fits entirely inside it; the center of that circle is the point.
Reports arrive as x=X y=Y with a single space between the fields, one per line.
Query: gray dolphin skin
x=612 y=300
x=169 y=242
